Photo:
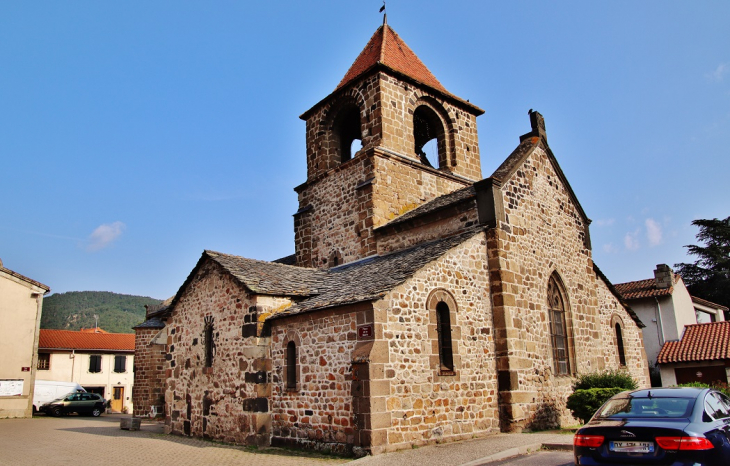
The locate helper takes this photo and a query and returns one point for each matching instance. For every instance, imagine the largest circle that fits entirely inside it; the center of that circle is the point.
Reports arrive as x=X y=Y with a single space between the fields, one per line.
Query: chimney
x=663 y=276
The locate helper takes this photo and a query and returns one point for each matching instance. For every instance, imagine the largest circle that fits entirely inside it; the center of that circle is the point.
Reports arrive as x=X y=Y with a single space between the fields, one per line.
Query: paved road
x=81 y=441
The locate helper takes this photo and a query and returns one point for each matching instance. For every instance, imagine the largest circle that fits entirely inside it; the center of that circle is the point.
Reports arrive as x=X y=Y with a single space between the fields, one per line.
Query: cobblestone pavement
x=81 y=441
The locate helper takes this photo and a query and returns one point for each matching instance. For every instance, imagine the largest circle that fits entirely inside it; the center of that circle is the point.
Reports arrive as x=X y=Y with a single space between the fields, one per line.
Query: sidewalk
x=471 y=452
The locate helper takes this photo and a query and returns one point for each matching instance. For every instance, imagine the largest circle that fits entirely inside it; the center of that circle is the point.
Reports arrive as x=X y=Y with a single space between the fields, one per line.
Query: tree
x=709 y=276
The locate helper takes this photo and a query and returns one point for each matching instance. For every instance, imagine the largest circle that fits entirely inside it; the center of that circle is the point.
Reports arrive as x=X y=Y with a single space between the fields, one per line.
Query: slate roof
x=371 y=278
x=700 y=342
x=69 y=339
x=441 y=202
x=643 y=289
x=151 y=322
x=387 y=48
x=270 y=278
x=707 y=303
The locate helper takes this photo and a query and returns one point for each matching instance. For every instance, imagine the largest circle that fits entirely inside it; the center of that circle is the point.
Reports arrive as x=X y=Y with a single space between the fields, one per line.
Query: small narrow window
x=446 y=355
x=208 y=344
x=291 y=365
x=44 y=361
x=558 y=330
x=620 y=345
x=120 y=363
x=95 y=363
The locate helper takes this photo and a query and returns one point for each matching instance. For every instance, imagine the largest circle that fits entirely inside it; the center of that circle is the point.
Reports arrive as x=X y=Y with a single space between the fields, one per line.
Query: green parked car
x=90 y=404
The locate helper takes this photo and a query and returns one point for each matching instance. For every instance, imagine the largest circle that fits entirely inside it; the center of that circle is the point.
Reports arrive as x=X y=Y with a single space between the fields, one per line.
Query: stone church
x=423 y=302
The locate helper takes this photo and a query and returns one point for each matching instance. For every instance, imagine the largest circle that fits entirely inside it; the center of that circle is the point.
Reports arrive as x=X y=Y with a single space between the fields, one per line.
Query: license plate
x=632 y=447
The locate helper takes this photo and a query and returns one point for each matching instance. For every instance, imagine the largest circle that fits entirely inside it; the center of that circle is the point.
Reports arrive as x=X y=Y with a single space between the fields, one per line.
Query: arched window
x=558 y=329
x=620 y=345
x=291 y=365
x=208 y=338
x=429 y=137
x=446 y=353
x=347 y=132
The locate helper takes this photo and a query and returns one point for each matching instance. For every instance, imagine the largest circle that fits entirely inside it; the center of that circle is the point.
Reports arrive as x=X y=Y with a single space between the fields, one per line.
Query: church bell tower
x=388 y=139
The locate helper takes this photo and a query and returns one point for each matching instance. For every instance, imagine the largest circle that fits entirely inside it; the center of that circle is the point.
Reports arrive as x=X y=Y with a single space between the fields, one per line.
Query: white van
x=49 y=390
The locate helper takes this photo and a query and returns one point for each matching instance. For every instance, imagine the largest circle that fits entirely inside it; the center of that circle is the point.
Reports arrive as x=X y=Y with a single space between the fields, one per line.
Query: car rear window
x=646 y=408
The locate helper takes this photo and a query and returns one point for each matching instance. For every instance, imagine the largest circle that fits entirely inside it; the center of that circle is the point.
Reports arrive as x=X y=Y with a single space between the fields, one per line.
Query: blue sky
x=134 y=135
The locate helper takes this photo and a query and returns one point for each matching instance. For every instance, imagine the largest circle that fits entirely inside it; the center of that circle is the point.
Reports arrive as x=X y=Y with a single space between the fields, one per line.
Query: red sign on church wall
x=365 y=331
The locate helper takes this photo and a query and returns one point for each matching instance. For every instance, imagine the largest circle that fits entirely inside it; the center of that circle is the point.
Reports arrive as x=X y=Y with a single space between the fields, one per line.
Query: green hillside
x=75 y=310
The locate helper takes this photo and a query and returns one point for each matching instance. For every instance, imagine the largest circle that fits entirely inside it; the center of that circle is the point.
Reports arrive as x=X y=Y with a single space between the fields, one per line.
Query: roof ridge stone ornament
x=537 y=123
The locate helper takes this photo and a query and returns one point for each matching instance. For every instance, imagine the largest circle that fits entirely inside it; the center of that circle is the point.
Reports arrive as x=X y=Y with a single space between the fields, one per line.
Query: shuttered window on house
x=120 y=363
x=95 y=363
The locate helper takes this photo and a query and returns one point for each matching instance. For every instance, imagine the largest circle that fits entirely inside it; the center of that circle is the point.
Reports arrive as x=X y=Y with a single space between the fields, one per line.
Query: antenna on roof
x=385 y=14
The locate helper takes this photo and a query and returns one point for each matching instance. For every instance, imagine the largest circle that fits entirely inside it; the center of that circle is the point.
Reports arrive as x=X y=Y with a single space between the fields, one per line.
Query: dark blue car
x=658 y=426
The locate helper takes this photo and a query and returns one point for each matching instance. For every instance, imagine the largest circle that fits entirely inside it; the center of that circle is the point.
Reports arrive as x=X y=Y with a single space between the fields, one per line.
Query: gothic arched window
x=558 y=328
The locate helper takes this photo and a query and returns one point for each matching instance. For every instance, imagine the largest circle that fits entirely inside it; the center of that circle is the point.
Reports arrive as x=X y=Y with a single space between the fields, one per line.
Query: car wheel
x=57 y=411
x=96 y=412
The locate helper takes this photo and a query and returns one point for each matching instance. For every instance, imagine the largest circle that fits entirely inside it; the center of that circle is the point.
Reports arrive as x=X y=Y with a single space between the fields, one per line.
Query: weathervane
x=385 y=13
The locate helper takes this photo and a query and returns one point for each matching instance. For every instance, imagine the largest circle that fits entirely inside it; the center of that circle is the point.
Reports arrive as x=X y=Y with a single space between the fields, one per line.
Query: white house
x=100 y=362
x=665 y=306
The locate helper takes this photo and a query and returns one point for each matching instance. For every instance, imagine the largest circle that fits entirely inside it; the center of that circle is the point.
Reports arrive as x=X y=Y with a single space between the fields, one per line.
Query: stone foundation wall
x=149 y=372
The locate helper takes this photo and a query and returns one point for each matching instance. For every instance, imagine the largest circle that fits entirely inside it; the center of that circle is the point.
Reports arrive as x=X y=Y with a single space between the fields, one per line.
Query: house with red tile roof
x=665 y=306
x=21 y=304
x=701 y=355
x=99 y=361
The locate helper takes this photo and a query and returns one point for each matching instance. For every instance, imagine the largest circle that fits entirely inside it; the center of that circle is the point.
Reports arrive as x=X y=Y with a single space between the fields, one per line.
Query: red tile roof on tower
x=643 y=289
x=700 y=342
x=387 y=48
x=68 y=340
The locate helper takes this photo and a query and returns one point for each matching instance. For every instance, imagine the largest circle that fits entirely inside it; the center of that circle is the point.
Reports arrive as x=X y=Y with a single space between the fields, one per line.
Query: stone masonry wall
x=421 y=404
x=228 y=401
x=318 y=413
x=149 y=372
x=340 y=221
x=443 y=224
x=611 y=312
x=402 y=186
x=399 y=101
x=542 y=232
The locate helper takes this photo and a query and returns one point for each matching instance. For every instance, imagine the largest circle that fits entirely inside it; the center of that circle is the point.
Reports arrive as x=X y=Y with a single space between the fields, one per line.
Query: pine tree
x=709 y=276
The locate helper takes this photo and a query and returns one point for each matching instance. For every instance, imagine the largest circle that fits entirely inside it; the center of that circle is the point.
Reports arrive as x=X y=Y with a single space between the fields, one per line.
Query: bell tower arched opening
x=429 y=137
x=347 y=133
